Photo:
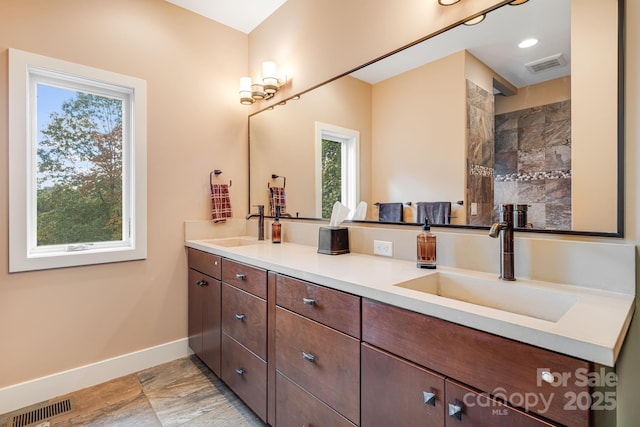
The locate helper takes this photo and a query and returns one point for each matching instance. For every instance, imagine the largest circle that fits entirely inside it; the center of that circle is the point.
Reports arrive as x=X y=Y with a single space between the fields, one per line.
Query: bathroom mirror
x=475 y=123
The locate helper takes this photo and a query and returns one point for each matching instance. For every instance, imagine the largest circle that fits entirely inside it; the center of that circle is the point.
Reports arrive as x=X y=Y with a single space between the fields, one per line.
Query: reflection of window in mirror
x=337 y=159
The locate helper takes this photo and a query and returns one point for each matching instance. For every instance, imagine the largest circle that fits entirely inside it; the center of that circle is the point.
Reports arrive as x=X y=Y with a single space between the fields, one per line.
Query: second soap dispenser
x=276 y=228
x=426 y=243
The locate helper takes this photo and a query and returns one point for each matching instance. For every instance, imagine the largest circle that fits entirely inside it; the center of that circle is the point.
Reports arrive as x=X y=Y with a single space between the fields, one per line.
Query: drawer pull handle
x=455 y=411
x=240 y=276
x=240 y=371
x=547 y=377
x=308 y=357
x=240 y=316
x=309 y=301
x=202 y=283
x=429 y=398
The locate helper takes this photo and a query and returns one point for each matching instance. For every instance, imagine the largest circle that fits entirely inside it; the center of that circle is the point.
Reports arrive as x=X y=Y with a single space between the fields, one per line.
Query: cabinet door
x=321 y=360
x=245 y=374
x=467 y=408
x=245 y=277
x=205 y=263
x=295 y=407
x=400 y=393
x=204 y=318
x=195 y=312
x=244 y=318
x=481 y=360
x=335 y=309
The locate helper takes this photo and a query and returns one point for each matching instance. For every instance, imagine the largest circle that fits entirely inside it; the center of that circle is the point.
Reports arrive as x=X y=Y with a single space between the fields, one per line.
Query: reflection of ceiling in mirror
x=494 y=42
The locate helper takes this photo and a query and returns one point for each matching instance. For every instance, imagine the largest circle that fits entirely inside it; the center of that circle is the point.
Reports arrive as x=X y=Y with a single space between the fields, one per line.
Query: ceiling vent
x=553 y=61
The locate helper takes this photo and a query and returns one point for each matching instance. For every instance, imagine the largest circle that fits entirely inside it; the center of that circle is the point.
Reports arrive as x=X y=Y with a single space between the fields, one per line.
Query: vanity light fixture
x=473 y=21
x=527 y=43
x=265 y=88
x=447 y=2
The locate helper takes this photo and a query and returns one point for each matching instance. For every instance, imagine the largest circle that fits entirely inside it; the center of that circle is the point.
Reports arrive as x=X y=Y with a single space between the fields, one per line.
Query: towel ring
x=215 y=172
x=274 y=176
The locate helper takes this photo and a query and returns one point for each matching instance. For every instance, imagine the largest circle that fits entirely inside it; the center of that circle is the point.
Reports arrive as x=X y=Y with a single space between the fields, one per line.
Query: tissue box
x=333 y=240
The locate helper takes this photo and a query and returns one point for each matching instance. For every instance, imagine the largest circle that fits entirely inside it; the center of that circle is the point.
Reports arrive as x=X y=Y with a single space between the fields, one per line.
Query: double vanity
x=311 y=339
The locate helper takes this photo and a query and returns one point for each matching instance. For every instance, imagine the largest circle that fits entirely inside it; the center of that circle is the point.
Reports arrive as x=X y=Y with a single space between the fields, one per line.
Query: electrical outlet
x=474 y=209
x=380 y=247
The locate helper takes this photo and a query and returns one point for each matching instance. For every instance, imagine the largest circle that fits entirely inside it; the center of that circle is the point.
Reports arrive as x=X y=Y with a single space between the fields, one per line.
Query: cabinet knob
x=547 y=377
x=308 y=357
x=202 y=283
x=455 y=411
x=309 y=301
x=429 y=398
x=240 y=371
x=240 y=316
x=240 y=276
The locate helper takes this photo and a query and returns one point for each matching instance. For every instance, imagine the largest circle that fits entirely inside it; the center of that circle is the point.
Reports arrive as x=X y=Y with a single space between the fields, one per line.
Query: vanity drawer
x=321 y=360
x=245 y=277
x=333 y=308
x=479 y=359
x=295 y=407
x=400 y=393
x=244 y=318
x=245 y=374
x=204 y=262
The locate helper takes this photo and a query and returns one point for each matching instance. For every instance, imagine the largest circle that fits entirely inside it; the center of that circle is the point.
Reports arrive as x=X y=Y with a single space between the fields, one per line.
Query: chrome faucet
x=504 y=229
x=260 y=216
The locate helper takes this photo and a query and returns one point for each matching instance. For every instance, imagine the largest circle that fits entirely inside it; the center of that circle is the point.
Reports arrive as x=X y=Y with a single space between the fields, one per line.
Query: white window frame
x=26 y=70
x=350 y=167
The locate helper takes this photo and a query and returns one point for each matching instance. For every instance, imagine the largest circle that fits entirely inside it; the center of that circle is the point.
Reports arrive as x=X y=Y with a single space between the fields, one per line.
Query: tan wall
x=283 y=141
x=548 y=92
x=55 y=320
x=419 y=137
x=593 y=123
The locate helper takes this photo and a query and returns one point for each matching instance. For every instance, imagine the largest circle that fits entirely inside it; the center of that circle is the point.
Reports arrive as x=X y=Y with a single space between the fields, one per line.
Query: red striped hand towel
x=277 y=198
x=220 y=203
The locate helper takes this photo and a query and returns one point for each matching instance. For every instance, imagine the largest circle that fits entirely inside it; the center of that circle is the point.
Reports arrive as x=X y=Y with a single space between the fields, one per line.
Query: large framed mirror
x=464 y=121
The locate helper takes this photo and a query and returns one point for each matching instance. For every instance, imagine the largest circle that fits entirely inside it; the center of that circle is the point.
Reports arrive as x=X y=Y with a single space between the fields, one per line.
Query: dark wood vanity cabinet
x=204 y=307
x=317 y=355
x=477 y=365
x=244 y=333
x=298 y=353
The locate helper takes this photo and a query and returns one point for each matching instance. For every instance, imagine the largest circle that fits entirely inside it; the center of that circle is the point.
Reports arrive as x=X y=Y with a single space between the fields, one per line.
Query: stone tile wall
x=533 y=163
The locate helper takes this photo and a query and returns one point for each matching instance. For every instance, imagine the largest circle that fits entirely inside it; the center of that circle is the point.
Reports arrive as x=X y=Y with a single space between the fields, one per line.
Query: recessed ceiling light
x=517 y=2
x=528 y=43
x=447 y=2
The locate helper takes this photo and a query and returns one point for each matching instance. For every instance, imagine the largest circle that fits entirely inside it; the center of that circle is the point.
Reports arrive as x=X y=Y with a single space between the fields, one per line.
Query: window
x=337 y=160
x=77 y=177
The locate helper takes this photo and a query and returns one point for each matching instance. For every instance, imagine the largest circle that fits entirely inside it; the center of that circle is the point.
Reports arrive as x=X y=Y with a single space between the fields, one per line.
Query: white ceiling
x=243 y=15
x=494 y=41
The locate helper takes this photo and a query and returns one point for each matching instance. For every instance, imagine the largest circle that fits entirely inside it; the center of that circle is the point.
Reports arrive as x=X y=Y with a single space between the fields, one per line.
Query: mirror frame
x=619 y=233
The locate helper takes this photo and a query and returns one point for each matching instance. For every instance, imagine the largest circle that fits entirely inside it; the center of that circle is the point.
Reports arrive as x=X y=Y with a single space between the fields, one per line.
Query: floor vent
x=42 y=413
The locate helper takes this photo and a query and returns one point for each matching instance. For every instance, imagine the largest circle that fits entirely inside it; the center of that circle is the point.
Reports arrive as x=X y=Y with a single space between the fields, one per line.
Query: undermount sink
x=512 y=297
x=234 y=241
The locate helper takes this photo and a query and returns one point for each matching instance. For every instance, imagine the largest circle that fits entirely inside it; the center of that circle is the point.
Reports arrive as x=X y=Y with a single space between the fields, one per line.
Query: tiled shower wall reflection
x=533 y=163
x=480 y=153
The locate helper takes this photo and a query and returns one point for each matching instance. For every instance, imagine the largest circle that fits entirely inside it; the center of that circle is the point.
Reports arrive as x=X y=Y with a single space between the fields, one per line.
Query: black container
x=333 y=240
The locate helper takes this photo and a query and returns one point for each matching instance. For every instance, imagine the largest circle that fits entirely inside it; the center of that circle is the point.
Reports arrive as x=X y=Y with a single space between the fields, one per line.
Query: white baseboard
x=30 y=392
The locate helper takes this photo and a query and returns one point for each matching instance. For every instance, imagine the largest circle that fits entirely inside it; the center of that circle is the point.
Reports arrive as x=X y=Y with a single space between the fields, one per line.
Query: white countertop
x=592 y=329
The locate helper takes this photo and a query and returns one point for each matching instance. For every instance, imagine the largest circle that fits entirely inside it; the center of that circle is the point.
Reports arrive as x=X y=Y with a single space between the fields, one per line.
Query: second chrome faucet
x=504 y=230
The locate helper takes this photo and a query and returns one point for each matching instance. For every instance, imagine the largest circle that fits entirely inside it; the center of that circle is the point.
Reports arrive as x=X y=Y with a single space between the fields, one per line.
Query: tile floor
x=179 y=393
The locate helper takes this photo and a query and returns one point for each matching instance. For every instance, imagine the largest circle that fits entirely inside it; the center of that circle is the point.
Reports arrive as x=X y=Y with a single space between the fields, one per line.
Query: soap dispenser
x=276 y=227
x=426 y=243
